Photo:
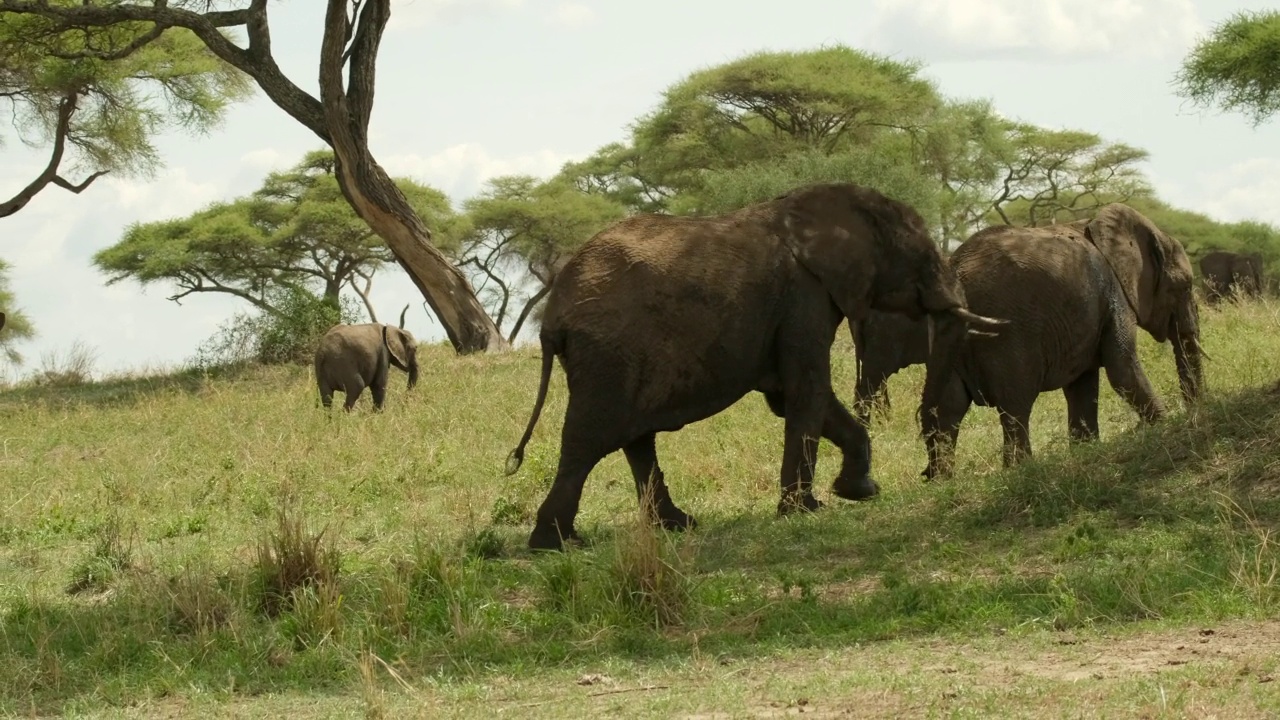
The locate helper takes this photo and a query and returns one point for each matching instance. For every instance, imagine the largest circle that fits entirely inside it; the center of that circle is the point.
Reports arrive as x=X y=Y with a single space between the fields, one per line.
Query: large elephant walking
x=1076 y=295
x=1229 y=273
x=661 y=321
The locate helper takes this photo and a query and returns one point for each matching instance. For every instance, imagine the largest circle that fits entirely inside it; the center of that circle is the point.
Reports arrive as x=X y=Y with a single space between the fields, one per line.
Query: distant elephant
x=1076 y=295
x=1 y=321
x=1229 y=273
x=884 y=343
x=661 y=321
x=352 y=357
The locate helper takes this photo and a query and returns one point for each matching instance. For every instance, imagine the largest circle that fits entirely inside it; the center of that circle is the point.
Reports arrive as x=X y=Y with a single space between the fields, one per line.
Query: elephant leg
x=352 y=389
x=651 y=486
x=379 y=392
x=1125 y=375
x=804 y=405
x=850 y=435
x=326 y=394
x=581 y=449
x=1015 y=422
x=941 y=429
x=839 y=426
x=1082 y=407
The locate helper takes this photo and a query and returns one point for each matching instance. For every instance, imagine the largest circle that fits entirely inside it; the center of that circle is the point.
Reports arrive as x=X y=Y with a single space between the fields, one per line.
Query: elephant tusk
x=1200 y=349
x=971 y=317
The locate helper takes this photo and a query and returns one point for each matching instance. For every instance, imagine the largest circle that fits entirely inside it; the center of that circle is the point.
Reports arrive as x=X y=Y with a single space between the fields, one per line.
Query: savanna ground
x=195 y=546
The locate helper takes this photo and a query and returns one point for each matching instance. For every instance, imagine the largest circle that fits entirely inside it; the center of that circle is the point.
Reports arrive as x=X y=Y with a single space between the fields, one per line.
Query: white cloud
x=572 y=14
x=1246 y=190
x=460 y=170
x=1035 y=29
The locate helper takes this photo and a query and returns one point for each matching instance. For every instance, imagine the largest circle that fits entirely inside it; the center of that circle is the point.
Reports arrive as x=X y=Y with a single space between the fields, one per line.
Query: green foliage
x=760 y=125
x=1048 y=176
x=296 y=232
x=287 y=336
x=17 y=326
x=1237 y=67
x=521 y=230
x=173 y=82
x=725 y=190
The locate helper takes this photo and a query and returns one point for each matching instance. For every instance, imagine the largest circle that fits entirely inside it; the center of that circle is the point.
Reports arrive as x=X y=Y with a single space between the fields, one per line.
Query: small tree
x=521 y=232
x=96 y=98
x=17 y=326
x=296 y=232
x=1237 y=67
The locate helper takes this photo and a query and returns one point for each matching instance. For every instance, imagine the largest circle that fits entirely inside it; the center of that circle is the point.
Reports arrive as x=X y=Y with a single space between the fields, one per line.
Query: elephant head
x=1155 y=276
x=872 y=253
x=402 y=349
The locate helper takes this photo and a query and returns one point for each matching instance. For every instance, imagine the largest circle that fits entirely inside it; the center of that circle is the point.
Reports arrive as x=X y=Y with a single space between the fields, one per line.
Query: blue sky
x=472 y=89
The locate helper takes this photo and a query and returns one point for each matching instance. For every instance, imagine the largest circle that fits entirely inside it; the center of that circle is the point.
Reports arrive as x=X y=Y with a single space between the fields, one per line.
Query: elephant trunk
x=413 y=373
x=1188 y=355
x=946 y=345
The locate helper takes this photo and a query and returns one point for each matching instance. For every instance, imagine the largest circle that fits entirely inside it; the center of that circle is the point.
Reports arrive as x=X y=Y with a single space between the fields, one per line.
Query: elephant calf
x=353 y=357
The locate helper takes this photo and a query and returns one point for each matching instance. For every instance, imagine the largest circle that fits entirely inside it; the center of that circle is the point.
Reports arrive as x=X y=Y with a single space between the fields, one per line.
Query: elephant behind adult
x=352 y=357
x=1076 y=295
x=883 y=344
x=661 y=321
x=1229 y=273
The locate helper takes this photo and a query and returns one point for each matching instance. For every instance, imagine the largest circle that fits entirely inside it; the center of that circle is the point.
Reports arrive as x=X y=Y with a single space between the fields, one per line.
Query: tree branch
x=66 y=109
x=256 y=60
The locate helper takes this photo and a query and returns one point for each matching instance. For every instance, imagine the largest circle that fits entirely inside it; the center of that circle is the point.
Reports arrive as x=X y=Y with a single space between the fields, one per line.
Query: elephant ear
x=833 y=241
x=394 y=340
x=1131 y=246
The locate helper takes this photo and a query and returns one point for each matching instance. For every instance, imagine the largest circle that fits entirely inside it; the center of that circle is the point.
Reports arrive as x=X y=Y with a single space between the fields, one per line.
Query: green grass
x=221 y=542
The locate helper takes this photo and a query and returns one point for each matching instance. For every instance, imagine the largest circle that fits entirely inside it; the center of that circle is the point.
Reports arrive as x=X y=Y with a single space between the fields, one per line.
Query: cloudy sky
x=471 y=89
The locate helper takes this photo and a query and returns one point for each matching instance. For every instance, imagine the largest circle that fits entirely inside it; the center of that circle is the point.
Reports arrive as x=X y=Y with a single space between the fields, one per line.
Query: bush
x=276 y=339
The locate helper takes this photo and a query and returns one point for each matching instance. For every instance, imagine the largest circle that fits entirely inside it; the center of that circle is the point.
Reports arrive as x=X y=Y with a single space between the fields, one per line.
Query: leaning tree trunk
x=340 y=117
x=373 y=194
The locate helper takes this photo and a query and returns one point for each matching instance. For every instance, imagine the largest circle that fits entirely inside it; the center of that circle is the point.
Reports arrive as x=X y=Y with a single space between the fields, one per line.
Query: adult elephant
x=661 y=321
x=352 y=357
x=1076 y=295
x=1229 y=273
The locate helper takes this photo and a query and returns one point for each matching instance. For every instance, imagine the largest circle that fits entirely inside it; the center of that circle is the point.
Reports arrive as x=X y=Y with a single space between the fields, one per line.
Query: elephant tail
x=550 y=346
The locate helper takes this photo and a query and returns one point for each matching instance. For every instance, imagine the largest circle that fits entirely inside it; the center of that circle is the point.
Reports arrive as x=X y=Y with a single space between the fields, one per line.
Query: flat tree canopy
x=1237 y=67
x=295 y=232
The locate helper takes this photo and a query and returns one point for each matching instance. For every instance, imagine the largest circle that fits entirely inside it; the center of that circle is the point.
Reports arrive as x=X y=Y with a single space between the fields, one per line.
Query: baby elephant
x=353 y=357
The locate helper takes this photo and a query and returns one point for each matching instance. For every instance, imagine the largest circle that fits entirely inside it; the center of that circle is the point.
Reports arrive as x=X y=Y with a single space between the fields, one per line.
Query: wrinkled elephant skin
x=660 y=321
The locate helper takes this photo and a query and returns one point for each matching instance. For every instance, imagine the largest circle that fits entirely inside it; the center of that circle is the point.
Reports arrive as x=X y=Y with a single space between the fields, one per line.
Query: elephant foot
x=548 y=537
x=798 y=503
x=676 y=520
x=861 y=489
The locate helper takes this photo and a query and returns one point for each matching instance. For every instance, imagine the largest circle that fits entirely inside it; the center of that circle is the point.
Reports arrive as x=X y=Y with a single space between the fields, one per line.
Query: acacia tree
x=522 y=230
x=17 y=326
x=340 y=117
x=96 y=98
x=1237 y=67
x=295 y=232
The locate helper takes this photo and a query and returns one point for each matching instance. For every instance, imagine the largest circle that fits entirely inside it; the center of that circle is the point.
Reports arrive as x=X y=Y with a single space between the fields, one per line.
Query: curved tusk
x=971 y=317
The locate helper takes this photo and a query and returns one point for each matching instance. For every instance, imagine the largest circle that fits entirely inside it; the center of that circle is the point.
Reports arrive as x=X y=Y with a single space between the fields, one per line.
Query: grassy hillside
x=158 y=538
